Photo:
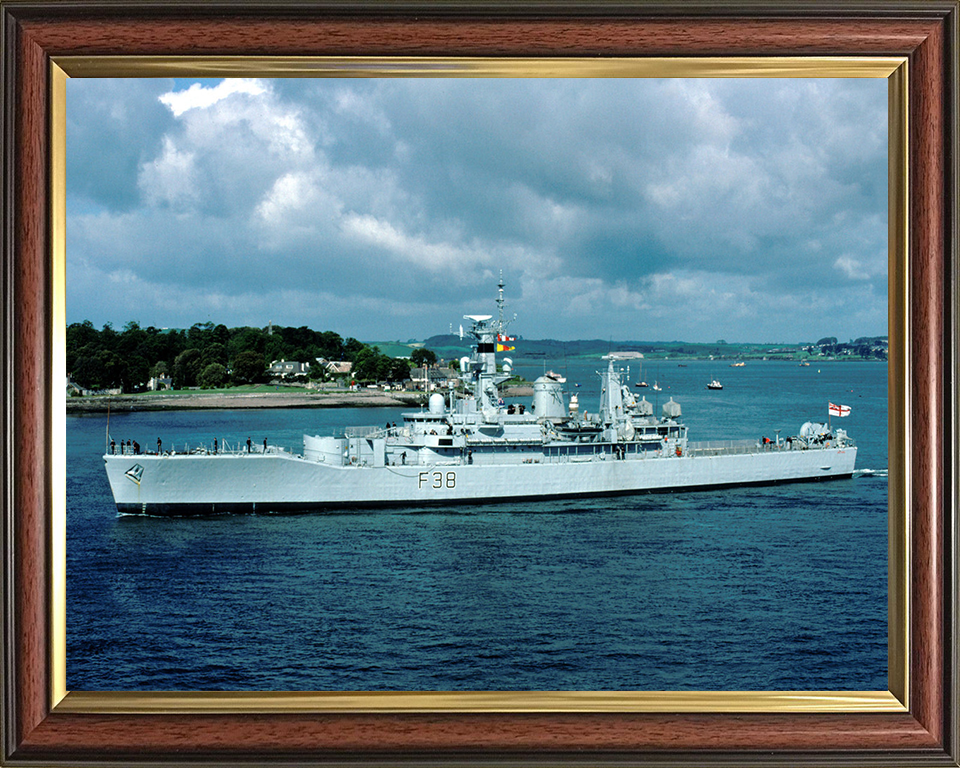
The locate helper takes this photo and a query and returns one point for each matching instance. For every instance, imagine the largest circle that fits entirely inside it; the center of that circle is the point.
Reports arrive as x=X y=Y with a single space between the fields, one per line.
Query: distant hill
x=449 y=346
x=395 y=348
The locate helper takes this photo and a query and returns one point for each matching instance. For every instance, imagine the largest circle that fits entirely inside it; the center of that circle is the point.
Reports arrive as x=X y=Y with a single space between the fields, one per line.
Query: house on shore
x=159 y=383
x=287 y=369
x=75 y=390
x=427 y=379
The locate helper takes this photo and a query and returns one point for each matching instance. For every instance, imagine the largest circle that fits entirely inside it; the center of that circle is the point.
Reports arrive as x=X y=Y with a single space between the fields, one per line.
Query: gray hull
x=283 y=482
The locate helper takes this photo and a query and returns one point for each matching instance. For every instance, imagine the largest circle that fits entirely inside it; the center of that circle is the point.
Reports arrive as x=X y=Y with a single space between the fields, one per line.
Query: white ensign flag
x=839 y=410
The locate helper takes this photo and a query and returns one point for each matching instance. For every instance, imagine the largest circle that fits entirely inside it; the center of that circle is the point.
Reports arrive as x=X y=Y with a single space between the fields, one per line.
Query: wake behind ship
x=469 y=447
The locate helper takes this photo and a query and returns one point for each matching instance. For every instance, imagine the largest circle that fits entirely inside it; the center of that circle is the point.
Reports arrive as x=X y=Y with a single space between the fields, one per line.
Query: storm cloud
x=749 y=210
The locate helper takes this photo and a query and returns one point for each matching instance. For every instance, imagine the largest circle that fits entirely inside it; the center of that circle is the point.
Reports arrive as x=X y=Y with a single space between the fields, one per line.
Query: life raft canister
x=679 y=451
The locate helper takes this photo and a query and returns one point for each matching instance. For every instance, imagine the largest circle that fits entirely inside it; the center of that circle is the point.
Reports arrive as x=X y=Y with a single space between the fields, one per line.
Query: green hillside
x=451 y=346
x=395 y=348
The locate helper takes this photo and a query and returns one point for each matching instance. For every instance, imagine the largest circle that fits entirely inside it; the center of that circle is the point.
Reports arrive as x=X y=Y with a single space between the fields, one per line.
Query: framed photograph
x=553 y=719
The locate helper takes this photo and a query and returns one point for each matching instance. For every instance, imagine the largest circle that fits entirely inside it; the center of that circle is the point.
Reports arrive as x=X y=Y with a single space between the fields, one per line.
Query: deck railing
x=732 y=447
x=364 y=431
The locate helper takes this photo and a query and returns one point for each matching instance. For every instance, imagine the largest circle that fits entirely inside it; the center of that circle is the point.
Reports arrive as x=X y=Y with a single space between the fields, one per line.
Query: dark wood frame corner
x=34 y=34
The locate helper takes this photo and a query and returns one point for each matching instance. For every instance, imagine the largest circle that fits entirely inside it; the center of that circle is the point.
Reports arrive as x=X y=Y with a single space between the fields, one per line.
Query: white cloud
x=293 y=192
x=452 y=258
x=852 y=268
x=198 y=96
x=171 y=179
x=364 y=108
x=714 y=123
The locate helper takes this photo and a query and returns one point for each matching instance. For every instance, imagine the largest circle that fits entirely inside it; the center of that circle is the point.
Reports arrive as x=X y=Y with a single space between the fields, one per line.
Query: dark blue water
x=766 y=589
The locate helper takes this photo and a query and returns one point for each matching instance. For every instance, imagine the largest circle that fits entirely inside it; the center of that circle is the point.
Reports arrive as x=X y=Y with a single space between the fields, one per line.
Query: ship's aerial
x=468 y=446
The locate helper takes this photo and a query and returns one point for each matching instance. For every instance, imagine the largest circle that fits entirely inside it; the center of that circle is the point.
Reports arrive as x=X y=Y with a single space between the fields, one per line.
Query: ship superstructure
x=468 y=445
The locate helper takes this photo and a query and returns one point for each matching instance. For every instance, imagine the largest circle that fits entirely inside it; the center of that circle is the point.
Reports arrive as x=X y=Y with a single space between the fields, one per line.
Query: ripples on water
x=769 y=588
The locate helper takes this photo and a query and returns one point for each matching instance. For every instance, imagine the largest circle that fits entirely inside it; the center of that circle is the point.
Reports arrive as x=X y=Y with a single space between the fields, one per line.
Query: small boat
x=640 y=383
x=737 y=365
x=714 y=384
x=656 y=387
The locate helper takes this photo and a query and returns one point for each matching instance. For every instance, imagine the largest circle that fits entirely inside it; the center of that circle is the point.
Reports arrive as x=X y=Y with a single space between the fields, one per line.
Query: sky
x=749 y=210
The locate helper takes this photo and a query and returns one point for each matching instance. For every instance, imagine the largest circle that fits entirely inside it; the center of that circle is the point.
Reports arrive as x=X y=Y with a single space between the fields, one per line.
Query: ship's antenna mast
x=500 y=303
x=501 y=325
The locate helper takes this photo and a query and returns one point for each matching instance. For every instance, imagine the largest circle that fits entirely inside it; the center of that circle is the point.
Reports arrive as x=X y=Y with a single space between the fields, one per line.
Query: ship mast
x=500 y=305
x=482 y=376
x=501 y=324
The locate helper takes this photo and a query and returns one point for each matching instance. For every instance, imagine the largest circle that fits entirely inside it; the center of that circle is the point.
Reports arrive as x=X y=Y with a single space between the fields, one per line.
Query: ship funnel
x=548 y=398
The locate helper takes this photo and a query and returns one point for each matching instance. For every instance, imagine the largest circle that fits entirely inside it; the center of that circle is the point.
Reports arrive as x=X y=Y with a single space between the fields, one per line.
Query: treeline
x=865 y=347
x=209 y=355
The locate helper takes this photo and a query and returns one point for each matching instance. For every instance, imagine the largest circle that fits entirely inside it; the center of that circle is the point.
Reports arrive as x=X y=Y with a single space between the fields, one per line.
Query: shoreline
x=225 y=400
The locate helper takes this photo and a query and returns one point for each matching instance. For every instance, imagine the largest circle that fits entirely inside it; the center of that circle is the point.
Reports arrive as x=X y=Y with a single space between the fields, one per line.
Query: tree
x=214 y=353
x=200 y=334
x=81 y=334
x=399 y=371
x=134 y=373
x=214 y=376
x=248 y=367
x=422 y=357
x=330 y=345
x=351 y=348
x=221 y=335
x=186 y=368
x=113 y=367
x=370 y=365
x=274 y=348
x=246 y=340
x=88 y=369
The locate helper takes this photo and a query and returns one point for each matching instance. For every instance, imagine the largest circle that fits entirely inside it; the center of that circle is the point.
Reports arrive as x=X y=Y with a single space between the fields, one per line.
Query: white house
x=156 y=383
x=285 y=369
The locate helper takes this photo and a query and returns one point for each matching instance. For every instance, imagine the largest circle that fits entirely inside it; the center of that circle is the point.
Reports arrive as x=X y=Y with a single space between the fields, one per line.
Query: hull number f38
x=437 y=480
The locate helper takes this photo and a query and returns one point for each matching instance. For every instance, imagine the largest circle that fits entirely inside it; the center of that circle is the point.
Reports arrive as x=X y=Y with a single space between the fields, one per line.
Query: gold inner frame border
x=895 y=699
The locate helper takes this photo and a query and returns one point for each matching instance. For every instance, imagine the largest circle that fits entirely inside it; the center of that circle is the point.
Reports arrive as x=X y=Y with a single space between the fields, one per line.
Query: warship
x=468 y=446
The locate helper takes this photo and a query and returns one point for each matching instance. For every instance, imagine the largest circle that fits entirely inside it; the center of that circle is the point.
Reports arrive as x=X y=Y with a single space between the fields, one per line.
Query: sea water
x=771 y=588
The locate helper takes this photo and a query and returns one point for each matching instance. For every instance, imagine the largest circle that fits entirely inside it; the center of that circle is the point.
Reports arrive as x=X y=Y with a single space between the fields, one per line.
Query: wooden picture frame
x=916 y=723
